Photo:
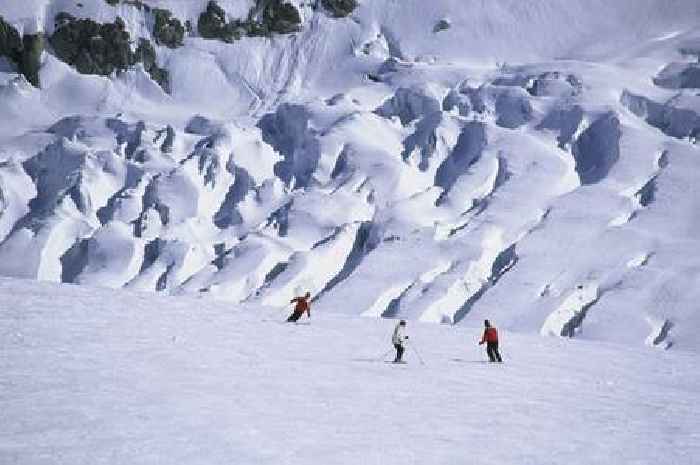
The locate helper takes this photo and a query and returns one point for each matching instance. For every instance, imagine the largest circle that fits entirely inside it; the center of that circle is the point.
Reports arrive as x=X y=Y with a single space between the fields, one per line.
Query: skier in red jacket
x=490 y=337
x=302 y=305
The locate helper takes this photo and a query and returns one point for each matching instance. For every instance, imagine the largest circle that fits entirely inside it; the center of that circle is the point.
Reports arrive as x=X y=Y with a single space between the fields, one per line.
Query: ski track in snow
x=99 y=376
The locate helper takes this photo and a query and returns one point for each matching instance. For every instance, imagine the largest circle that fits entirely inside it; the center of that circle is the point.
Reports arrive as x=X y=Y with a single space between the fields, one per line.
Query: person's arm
x=483 y=338
x=308 y=310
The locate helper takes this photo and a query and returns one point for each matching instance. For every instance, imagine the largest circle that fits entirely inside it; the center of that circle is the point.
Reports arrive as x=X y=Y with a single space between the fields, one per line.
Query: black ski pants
x=399 y=352
x=492 y=351
x=294 y=317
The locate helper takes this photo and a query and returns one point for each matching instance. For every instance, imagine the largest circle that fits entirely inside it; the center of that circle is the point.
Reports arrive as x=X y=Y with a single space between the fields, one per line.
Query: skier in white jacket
x=398 y=340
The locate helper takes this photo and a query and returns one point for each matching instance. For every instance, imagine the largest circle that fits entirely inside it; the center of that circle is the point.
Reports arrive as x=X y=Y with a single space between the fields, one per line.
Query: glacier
x=534 y=163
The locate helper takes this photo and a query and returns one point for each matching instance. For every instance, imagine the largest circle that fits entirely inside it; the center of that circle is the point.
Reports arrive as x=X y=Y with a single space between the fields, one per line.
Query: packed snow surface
x=535 y=163
x=119 y=377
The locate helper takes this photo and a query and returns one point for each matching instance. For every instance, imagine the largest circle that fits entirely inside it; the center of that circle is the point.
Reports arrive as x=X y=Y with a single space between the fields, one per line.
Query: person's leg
x=489 y=352
x=399 y=352
x=496 y=352
x=293 y=317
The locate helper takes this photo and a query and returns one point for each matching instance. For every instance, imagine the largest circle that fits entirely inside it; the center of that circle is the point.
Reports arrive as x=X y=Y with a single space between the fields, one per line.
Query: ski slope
x=119 y=377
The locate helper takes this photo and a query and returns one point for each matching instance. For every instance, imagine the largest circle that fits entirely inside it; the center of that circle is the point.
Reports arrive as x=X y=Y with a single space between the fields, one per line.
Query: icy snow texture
x=99 y=376
x=514 y=166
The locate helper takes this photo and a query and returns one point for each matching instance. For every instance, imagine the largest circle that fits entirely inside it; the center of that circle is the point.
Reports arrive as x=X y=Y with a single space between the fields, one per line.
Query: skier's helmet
x=402 y=322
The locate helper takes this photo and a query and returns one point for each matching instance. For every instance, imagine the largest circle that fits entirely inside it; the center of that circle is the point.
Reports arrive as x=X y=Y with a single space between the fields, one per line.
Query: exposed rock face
x=146 y=54
x=339 y=8
x=33 y=46
x=24 y=52
x=94 y=48
x=265 y=18
x=212 y=23
x=136 y=3
x=167 y=30
x=10 y=41
x=282 y=18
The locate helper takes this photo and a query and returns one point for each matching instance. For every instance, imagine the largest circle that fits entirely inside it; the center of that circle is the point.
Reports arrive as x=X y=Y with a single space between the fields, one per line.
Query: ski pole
x=420 y=359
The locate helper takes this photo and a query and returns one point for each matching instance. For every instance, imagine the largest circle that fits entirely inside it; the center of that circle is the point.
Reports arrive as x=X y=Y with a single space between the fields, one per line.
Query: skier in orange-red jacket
x=302 y=305
x=490 y=337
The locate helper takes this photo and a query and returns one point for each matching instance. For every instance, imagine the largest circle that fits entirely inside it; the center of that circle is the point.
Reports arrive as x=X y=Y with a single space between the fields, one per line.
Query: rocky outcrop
x=24 y=52
x=10 y=41
x=212 y=24
x=94 y=48
x=167 y=30
x=90 y=47
x=146 y=54
x=339 y=8
x=265 y=18
x=282 y=18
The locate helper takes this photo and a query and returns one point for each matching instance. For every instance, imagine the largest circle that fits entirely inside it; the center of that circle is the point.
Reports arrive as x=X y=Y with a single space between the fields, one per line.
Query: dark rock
x=33 y=46
x=10 y=41
x=63 y=18
x=266 y=17
x=146 y=54
x=94 y=48
x=212 y=23
x=24 y=52
x=282 y=18
x=339 y=8
x=167 y=30
x=441 y=25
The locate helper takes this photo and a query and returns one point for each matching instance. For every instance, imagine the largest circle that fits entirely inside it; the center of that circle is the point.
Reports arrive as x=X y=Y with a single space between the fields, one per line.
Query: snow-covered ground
x=533 y=162
x=94 y=376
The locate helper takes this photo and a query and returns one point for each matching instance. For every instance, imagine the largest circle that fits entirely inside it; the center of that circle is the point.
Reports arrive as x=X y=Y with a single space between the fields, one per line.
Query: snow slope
x=535 y=163
x=99 y=376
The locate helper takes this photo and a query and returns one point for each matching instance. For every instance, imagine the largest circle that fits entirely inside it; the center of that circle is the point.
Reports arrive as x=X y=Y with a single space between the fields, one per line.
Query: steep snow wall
x=534 y=163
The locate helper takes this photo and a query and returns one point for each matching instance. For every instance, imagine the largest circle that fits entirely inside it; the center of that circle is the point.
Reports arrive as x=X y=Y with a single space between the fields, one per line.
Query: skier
x=490 y=337
x=302 y=305
x=398 y=340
